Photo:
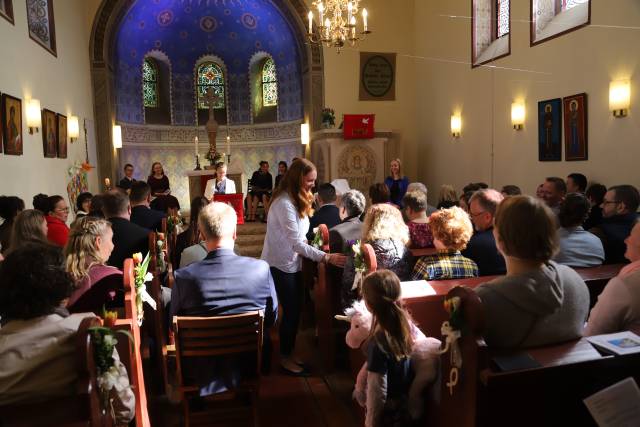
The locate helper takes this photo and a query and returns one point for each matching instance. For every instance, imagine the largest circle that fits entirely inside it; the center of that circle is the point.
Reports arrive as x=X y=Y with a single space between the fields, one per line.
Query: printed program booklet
x=617 y=405
x=619 y=343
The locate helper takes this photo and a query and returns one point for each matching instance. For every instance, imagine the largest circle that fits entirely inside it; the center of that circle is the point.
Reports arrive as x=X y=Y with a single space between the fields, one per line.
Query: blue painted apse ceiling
x=186 y=30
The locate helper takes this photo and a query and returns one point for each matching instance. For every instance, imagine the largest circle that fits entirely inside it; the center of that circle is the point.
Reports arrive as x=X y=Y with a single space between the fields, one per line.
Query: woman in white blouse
x=220 y=184
x=284 y=246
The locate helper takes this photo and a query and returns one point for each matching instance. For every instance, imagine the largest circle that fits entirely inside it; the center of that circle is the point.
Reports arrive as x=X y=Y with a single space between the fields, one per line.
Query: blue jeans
x=289 y=288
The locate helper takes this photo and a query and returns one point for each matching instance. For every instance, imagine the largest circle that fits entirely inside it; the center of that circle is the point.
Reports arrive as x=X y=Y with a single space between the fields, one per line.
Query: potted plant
x=328 y=118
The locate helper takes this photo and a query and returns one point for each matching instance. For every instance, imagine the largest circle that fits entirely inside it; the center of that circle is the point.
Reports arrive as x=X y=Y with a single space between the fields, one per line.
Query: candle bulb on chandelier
x=327 y=24
x=310 y=22
x=349 y=11
x=353 y=27
x=364 y=19
x=321 y=11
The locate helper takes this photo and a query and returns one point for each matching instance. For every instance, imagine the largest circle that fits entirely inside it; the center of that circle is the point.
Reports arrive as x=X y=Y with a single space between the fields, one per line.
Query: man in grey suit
x=351 y=206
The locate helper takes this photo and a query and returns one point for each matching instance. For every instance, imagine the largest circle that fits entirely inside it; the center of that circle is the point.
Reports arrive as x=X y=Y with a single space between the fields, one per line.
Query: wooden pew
x=324 y=296
x=130 y=353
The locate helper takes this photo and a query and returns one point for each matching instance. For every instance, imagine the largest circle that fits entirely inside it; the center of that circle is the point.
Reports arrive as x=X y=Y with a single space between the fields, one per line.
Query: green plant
x=142 y=276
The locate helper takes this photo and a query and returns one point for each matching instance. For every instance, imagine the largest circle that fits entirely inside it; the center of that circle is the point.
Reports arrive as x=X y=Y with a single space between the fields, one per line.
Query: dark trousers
x=289 y=288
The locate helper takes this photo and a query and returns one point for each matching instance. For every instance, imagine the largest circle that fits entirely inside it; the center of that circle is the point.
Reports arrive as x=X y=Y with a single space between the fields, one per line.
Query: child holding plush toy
x=389 y=373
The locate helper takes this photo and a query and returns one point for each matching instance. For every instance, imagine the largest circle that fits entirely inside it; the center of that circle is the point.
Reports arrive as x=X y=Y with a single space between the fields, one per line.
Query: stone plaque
x=377 y=76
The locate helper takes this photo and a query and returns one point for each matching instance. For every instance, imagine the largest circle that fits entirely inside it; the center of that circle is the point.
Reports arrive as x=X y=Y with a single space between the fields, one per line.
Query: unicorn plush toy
x=425 y=357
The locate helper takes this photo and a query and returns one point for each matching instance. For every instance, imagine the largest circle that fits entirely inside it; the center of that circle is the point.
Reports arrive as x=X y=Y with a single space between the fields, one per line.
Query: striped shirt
x=444 y=265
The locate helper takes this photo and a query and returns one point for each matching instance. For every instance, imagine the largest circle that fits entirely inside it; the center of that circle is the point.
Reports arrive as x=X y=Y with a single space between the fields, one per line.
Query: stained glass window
x=269 y=84
x=210 y=75
x=150 y=83
x=503 y=17
x=568 y=4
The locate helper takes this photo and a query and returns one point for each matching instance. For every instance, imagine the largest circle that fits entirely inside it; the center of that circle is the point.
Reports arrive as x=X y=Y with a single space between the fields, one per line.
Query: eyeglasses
x=606 y=202
x=473 y=215
x=63 y=209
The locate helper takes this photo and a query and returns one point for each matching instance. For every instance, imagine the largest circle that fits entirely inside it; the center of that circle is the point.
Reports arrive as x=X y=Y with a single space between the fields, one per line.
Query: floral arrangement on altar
x=104 y=341
x=142 y=276
x=358 y=264
x=215 y=157
x=328 y=117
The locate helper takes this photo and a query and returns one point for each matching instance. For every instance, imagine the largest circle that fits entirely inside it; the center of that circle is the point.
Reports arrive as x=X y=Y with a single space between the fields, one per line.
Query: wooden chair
x=219 y=337
x=80 y=409
x=130 y=353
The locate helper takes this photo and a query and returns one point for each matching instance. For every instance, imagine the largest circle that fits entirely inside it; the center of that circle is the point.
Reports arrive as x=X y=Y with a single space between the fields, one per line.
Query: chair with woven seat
x=219 y=339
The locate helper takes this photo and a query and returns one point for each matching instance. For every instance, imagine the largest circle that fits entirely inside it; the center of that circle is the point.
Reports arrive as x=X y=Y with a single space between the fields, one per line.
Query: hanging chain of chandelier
x=338 y=23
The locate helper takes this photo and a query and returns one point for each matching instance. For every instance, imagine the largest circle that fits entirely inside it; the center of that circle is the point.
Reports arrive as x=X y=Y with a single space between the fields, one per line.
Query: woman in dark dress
x=158 y=181
x=282 y=169
x=396 y=183
x=261 y=186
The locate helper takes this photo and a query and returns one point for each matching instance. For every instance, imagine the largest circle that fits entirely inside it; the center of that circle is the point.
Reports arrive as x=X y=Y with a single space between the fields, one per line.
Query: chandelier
x=338 y=21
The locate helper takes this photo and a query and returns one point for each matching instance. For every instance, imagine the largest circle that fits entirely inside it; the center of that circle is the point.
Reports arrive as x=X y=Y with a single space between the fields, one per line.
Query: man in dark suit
x=128 y=238
x=352 y=205
x=221 y=284
x=327 y=212
x=141 y=213
x=126 y=182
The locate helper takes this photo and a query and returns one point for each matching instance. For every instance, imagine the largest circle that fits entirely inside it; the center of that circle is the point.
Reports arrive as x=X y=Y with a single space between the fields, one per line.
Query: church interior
x=203 y=202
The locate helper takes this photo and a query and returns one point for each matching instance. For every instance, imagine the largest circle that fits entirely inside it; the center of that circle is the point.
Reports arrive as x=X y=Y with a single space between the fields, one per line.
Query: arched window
x=210 y=75
x=150 y=83
x=269 y=84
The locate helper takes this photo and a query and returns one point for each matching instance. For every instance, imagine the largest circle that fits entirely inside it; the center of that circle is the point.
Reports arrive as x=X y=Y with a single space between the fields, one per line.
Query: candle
x=310 y=22
x=228 y=145
x=353 y=27
x=364 y=19
x=327 y=24
x=321 y=10
x=107 y=183
x=349 y=11
x=195 y=141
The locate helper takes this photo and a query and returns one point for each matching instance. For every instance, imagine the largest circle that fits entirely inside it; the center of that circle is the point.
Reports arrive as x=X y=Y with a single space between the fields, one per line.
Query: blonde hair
x=452 y=227
x=81 y=251
x=448 y=193
x=399 y=165
x=384 y=221
x=391 y=324
x=217 y=220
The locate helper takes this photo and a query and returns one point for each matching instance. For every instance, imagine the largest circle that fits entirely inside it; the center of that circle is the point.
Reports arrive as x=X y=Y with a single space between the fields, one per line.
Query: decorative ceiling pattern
x=187 y=30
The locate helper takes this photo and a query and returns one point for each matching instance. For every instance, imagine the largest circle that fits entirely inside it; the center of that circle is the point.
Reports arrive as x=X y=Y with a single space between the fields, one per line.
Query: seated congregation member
x=220 y=184
x=595 y=194
x=576 y=183
x=128 y=238
x=396 y=183
x=38 y=359
x=553 y=191
x=447 y=198
x=83 y=204
x=418 y=186
x=538 y=302
x=96 y=206
x=451 y=230
x=511 y=190
x=41 y=203
x=415 y=208
x=261 y=186
x=389 y=375
x=379 y=193
x=221 y=284
x=127 y=181
x=30 y=226
x=464 y=200
x=189 y=244
x=327 y=212
x=388 y=235
x=89 y=247
x=577 y=247
x=282 y=169
x=141 y=213
x=482 y=246
x=618 y=218
x=351 y=206
x=618 y=306
x=10 y=207
x=57 y=215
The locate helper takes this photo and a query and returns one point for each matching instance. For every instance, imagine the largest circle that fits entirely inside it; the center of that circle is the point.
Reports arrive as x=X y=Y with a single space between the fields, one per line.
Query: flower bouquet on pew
x=161 y=251
x=317 y=238
x=142 y=276
x=358 y=264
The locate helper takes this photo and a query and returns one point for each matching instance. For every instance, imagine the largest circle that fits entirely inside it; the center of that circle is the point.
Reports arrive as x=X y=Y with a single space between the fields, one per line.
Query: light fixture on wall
x=619 y=97
x=74 y=128
x=517 y=115
x=456 y=125
x=338 y=22
x=34 y=115
x=304 y=134
x=117 y=136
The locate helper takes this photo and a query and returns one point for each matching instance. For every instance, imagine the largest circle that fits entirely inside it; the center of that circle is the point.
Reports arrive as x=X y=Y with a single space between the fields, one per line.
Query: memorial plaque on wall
x=377 y=76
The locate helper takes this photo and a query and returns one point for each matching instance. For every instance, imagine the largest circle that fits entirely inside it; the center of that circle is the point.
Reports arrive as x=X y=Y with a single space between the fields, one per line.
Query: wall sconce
x=73 y=127
x=34 y=115
x=619 y=97
x=304 y=134
x=517 y=115
x=117 y=136
x=456 y=125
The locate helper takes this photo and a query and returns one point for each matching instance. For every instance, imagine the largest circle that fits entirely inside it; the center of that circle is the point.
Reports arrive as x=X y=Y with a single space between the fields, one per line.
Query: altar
x=362 y=162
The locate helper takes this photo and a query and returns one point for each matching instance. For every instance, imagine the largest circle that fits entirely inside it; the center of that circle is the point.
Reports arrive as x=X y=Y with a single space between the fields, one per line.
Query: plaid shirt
x=444 y=265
